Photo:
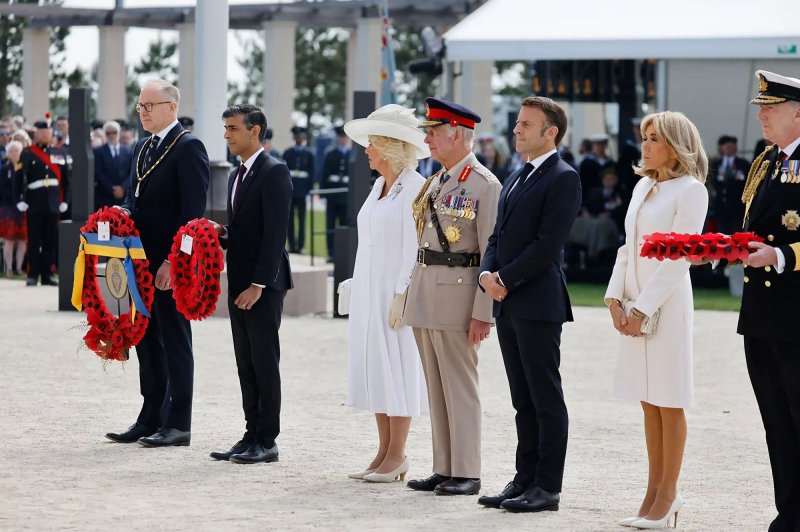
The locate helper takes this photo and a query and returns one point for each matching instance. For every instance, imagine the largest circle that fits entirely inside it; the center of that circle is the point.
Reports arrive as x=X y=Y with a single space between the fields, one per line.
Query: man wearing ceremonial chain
x=455 y=213
x=167 y=188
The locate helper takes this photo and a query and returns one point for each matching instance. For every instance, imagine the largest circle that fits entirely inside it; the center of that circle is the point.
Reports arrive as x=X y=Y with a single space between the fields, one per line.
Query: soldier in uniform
x=40 y=190
x=300 y=161
x=335 y=174
x=267 y=145
x=455 y=213
x=768 y=316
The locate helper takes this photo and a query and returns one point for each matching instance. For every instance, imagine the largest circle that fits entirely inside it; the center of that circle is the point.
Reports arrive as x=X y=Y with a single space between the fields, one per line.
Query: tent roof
x=511 y=30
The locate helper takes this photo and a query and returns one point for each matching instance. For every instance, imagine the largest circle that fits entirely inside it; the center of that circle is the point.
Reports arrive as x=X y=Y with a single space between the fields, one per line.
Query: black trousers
x=42 y=229
x=532 y=355
x=297 y=239
x=335 y=215
x=166 y=366
x=774 y=369
x=258 y=355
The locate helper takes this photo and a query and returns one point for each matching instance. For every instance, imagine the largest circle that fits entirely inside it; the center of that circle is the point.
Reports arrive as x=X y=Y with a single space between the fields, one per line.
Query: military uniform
x=300 y=161
x=768 y=316
x=335 y=174
x=42 y=182
x=442 y=299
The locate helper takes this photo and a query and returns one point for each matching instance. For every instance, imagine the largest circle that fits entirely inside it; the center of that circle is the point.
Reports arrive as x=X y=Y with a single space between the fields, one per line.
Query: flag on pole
x=387 y=58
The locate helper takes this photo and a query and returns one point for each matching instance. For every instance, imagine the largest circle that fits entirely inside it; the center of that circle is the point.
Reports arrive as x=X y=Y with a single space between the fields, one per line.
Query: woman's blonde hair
x=683 y=141
x=397 y=152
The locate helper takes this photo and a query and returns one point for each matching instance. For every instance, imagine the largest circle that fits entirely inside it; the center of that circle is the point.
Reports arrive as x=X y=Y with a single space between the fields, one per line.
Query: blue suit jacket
x=257 y=229
x=171 y=195
x=110 y=172
x=528 y=240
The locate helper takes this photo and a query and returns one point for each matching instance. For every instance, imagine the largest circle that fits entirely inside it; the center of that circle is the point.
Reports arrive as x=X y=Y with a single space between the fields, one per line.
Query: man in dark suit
x=726 y=177
x=596 y=161
x=112 y=168
x=41 y=190
x=259 y=197
x=768 y=316
x=336 y=174
x=521 y=270
x=629 y=156
x=167 y=188
x=300 y=161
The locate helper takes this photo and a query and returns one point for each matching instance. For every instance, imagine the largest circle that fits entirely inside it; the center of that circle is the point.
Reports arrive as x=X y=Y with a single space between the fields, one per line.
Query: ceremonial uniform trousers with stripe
x=441 y=302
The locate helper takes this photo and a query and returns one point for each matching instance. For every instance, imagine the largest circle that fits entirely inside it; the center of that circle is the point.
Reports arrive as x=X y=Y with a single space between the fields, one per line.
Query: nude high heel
x=677 y=504
x=391 y=476
x=361 y=474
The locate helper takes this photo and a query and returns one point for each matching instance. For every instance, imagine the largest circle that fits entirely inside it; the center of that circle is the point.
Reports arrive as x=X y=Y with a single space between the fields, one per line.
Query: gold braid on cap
x=419 y=204
x=754 y=178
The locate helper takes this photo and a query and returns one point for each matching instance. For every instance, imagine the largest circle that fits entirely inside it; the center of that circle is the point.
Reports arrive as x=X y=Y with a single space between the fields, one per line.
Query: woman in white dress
x=657 y=370
x=384 y=369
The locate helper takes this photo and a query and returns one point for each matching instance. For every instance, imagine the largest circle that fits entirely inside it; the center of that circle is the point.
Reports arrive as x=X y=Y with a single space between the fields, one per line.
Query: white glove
x=22 y=206
x=62 y=207
x=396 y=311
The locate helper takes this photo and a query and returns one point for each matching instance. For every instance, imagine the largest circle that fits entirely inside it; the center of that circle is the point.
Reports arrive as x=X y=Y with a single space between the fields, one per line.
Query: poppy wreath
x=109 y=336
x=195 y=276
x=710 y=246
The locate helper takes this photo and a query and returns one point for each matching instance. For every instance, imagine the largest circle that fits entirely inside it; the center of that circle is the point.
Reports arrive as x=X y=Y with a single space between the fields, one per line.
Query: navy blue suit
x=526 y=249
x=110 y=171
x=300 y=161
x=256 y=241
x=170 y=196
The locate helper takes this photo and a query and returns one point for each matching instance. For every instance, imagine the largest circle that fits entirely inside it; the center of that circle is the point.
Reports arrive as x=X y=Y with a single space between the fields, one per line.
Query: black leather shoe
x=533 y=500
x=30 y=282
x=511 y=490
x=459 y=486
x=239 y=447
x=167 y=438
x=134 y=432
x=48 y=282
x=256 y=453
x=427 y=484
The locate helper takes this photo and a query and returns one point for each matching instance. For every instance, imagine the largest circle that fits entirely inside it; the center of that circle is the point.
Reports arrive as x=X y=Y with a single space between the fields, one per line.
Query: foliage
x=411 y=89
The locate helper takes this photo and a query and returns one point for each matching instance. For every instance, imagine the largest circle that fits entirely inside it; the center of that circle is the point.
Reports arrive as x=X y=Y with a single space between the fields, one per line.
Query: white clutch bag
x=649 y=325
x=344 y=297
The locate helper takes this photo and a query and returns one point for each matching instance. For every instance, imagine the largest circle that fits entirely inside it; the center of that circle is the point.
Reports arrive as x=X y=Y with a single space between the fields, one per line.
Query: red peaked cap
x=438 y=112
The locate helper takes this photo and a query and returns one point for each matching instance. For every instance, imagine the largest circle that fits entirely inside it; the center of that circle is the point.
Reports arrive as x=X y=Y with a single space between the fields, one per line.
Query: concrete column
x=211 y=79
x=473 y=89
x=111 y=73
x=364 y=59
x=186 y=70
x=279 y=80
x=35 y=73
x=351 y=75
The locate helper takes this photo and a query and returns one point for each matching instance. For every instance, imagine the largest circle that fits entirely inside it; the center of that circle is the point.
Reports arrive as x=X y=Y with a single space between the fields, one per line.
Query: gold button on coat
x=767 y=284
x=767 y=269
x=770 y=237
x=427 y=244
x=746 y=279
x=460 y=280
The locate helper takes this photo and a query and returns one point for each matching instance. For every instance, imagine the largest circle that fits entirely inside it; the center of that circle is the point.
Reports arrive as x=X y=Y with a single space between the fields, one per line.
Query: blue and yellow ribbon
x=126 y=248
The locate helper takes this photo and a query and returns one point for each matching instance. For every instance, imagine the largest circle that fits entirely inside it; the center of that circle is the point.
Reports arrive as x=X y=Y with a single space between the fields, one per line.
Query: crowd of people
x=448 y=253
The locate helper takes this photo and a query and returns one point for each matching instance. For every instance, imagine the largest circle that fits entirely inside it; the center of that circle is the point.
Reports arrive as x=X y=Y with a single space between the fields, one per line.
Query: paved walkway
x=58 y=472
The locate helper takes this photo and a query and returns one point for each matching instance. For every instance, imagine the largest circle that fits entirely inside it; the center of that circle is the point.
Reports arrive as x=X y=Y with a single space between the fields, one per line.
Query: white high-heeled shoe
x=391 y=476
x=677 y=504
x=628 y=521
x=361 y=474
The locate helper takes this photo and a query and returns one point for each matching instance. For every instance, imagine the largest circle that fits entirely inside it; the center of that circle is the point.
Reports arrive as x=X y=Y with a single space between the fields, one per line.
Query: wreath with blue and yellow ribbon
x=110 y=336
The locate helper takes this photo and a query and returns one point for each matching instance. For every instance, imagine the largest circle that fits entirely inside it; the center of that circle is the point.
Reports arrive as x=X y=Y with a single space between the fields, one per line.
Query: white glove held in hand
x=396 y=311
x=62 y=207
x=22 y=206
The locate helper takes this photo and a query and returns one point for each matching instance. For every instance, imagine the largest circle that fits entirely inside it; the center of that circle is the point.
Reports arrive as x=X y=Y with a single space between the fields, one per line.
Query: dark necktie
x=236 y=195
x=513 y=193
x=151 y=151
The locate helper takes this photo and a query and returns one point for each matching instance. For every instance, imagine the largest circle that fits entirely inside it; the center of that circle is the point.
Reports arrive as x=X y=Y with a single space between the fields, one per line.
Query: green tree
x=411 y=89
x=321 y=73
x=159 y=61
x=10 y=58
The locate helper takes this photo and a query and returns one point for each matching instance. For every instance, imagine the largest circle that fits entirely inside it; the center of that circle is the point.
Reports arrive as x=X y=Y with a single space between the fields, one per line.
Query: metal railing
x=312 y=232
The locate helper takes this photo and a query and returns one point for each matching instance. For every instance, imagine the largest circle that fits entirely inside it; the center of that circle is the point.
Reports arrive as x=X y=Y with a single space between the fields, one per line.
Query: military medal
x=785 y=172
x=794 y=171
x=791 y=220
x=452 y=233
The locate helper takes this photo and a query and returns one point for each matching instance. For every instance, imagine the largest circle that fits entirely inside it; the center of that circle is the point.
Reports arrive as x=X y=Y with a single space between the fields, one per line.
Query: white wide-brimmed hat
x=394 y=121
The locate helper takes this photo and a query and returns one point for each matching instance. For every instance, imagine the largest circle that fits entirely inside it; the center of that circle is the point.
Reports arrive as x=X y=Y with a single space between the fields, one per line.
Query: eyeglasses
x=147 y=106
x=112 y=132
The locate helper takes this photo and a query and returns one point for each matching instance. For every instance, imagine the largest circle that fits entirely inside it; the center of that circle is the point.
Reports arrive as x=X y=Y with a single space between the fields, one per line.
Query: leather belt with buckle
x=427 y=257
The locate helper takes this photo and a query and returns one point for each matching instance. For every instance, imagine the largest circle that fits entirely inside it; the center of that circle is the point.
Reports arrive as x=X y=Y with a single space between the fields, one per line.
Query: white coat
x=384 y=369
x=658 y=370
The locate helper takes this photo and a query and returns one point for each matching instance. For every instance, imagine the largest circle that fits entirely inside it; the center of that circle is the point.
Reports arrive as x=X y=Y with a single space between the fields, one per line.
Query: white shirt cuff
x=781 y=261
x=258 y=285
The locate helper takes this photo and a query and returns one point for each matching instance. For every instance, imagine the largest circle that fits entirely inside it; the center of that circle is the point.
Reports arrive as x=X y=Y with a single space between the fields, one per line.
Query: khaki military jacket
x=444 y=297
